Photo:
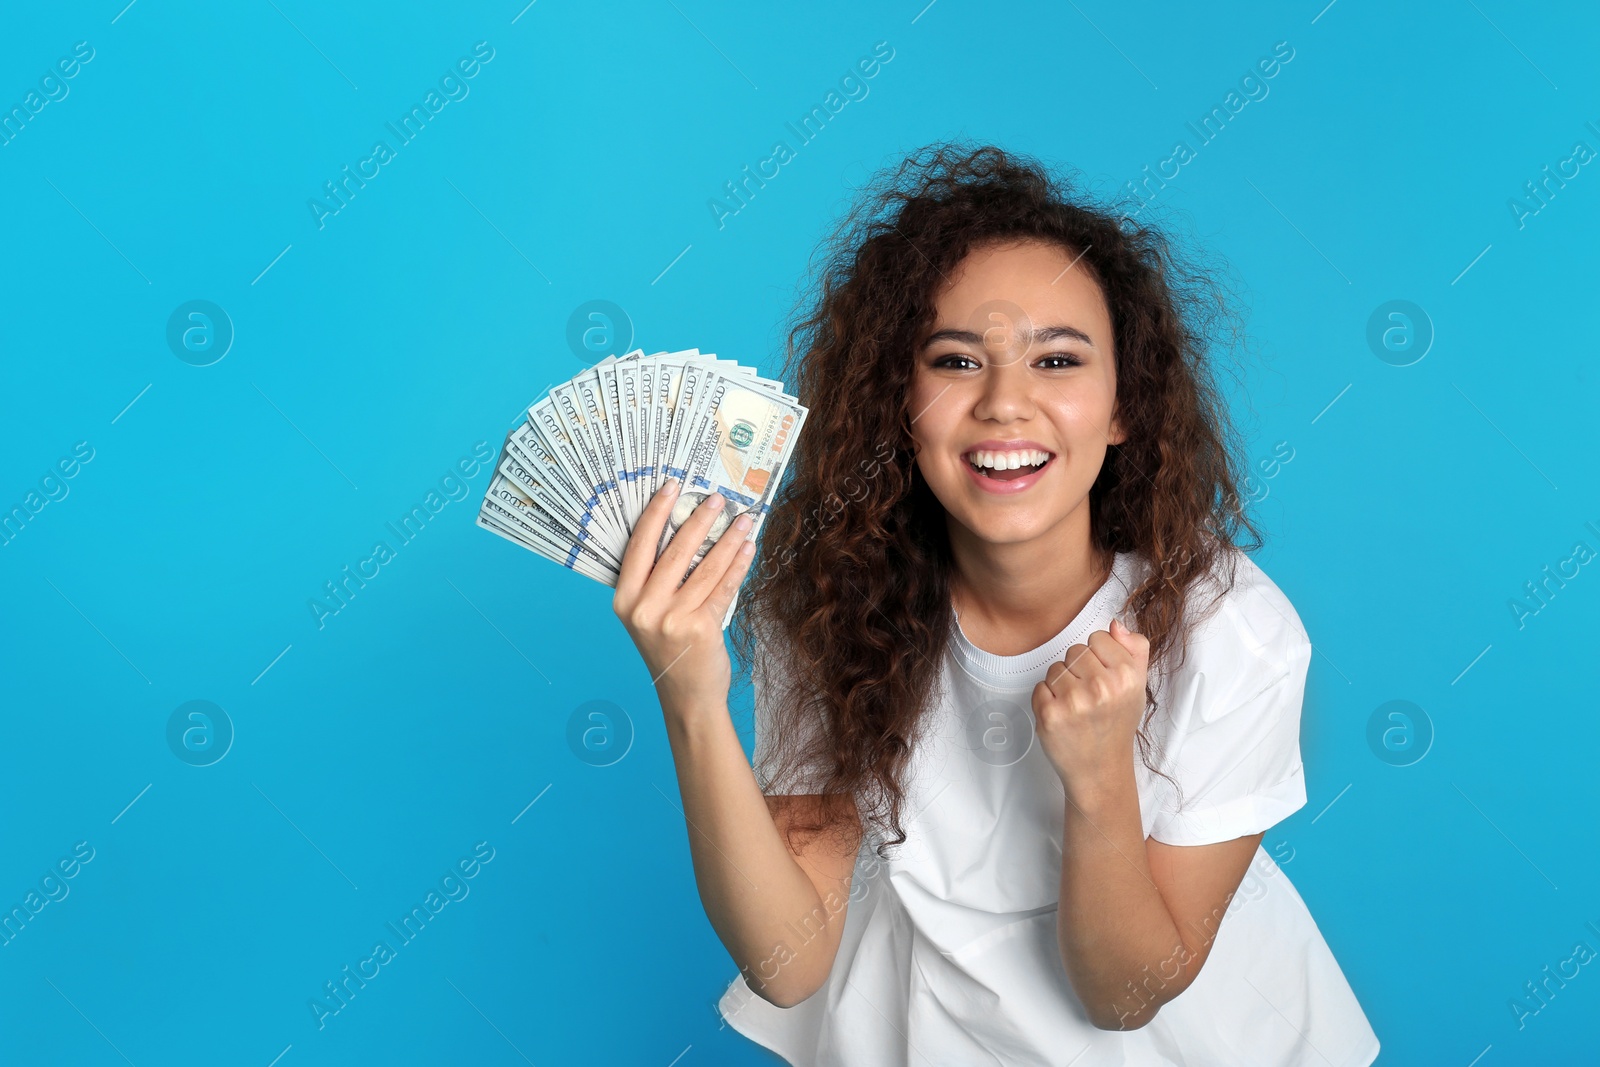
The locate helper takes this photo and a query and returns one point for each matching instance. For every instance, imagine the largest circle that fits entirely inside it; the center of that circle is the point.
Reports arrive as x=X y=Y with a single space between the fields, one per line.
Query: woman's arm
x=778 y=914
x=1137 y=919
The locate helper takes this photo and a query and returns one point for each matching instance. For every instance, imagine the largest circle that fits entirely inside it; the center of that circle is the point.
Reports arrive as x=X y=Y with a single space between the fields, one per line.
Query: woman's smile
x=1007 y=467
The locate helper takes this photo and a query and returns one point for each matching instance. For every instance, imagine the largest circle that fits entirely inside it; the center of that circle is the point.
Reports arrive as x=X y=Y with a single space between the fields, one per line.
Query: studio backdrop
x=301 y=765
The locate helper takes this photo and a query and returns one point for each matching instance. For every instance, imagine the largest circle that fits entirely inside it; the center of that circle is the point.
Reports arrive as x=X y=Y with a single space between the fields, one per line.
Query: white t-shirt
x=949 y=952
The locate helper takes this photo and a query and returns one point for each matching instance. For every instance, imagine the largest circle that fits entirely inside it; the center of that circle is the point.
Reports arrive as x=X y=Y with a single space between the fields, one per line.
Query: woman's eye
x=1055 y=361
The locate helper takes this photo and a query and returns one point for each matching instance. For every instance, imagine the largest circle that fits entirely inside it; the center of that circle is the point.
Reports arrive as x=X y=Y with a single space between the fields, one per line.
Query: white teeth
x=1008 y=460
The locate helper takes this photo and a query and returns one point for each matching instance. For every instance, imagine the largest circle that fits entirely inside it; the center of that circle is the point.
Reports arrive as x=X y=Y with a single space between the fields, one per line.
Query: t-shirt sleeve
x=1237 y=756
x=778 y=762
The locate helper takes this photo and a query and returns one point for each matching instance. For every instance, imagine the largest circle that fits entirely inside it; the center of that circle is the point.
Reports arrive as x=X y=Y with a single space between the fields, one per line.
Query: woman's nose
x=1007 y=386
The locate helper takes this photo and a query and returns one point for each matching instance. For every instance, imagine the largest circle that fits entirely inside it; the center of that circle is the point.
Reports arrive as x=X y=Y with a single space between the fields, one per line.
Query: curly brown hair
x=850 y=604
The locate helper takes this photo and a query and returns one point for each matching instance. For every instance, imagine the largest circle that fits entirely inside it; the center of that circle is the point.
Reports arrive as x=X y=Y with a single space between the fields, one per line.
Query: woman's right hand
x=678 y=628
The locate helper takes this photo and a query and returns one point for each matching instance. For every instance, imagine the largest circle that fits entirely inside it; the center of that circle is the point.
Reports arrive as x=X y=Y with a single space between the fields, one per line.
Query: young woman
x=1024 y=709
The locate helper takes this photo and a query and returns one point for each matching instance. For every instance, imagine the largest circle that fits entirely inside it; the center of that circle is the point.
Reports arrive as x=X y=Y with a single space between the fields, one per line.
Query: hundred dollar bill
x=690 y=379
x=536 y=467
x=739 y=447
x=584 y=407
x=527 y=481
x=543 y=476
x=626 y=378
x=643 y=418
x=551 y=416
x=572 y=482
x=663 y=396
x=614 y=436
x=505 y=502
x=495 y=523
x=600 y=391
x=633 y=381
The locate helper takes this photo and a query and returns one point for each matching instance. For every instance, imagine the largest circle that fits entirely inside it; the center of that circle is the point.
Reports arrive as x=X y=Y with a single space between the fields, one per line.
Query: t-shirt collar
x=1107 y=601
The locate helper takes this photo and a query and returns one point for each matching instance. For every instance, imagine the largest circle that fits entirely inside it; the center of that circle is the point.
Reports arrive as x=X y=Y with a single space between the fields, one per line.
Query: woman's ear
x=1116 y=435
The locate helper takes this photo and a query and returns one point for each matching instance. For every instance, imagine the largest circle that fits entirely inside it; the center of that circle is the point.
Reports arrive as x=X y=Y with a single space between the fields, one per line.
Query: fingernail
x=714 y=501
x=742 y=522
x=671 y=486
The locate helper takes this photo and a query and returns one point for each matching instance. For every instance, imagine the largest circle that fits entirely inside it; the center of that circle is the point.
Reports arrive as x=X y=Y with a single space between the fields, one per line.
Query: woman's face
x=1019 y=368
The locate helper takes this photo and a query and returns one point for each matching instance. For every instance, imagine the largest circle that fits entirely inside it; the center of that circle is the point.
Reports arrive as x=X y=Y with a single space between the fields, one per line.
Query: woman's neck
x=1013 y=597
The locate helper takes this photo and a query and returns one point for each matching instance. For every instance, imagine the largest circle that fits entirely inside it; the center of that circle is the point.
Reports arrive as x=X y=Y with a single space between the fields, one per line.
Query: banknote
x=737 y=444
x=574 y=477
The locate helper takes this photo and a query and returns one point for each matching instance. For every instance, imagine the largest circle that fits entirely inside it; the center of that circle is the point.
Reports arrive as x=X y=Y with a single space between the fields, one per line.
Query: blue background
x=374 y=352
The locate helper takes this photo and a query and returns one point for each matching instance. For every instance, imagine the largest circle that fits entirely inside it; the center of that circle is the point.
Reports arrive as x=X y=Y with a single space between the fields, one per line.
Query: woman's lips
x=1008 y=474
x=1007 y=481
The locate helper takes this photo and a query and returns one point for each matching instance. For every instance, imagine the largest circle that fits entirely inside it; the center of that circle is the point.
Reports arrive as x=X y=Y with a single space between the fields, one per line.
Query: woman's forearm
x=1123 y=952
x=781 y=932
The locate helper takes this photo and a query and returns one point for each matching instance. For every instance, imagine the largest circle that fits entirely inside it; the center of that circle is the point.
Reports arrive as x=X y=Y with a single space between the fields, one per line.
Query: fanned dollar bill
x=574 y=477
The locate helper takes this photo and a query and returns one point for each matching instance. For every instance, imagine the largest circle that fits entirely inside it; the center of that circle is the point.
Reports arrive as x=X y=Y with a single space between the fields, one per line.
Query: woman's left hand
x=1088 y=708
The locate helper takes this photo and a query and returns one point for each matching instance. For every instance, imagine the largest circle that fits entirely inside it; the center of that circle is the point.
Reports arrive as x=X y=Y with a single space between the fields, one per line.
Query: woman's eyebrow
x=1042 y=335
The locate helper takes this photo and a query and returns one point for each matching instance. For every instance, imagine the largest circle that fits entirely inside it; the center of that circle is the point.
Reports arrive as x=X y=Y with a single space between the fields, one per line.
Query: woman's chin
x=1020 y=526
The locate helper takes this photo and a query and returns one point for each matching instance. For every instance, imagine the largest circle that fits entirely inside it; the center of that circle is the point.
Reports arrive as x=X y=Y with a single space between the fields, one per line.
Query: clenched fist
x=1088 y=707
